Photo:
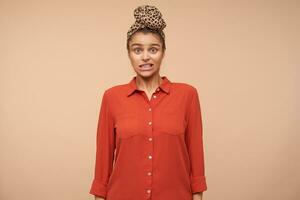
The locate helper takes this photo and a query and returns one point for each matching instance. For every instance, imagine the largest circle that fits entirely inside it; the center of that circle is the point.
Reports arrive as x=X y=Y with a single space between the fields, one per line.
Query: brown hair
x=148 y=30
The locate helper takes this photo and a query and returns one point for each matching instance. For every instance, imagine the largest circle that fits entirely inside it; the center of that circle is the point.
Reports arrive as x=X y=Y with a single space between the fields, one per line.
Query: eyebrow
x=138 y=44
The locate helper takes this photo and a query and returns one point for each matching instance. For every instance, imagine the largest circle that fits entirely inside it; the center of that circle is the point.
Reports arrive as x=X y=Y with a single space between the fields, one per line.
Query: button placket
x=149 y=139
x=155 y=93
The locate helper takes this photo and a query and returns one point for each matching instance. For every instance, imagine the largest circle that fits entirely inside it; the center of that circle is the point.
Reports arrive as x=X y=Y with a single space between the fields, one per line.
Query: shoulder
x=115 y=90
x=185 y=88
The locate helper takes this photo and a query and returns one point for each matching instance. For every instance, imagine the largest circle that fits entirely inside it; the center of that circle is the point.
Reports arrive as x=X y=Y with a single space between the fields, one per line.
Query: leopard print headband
x=147 y=16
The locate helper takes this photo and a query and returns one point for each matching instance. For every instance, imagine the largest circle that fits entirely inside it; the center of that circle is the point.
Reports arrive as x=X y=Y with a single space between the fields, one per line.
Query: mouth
x=146 y=66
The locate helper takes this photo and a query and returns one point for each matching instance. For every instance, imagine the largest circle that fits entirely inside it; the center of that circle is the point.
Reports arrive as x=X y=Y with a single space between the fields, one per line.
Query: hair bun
x=147 y=16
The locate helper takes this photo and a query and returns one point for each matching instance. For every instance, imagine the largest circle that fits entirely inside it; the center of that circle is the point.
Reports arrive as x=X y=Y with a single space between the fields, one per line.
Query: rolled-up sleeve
x=105 y=146
x=194 y=141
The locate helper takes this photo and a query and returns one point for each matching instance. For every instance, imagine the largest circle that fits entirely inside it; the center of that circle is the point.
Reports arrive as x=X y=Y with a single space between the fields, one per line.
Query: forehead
x=144 y=39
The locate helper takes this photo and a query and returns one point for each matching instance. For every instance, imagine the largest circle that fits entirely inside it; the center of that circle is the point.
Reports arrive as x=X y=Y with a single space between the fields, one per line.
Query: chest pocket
x=171 y=123
x=127 y=125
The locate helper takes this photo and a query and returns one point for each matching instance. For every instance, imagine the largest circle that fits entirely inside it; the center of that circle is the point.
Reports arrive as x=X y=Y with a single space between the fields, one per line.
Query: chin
x=145 y=75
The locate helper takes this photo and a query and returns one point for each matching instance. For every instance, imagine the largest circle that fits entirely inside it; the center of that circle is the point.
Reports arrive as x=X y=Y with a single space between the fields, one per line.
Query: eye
x=136 y=50
x=153 y=50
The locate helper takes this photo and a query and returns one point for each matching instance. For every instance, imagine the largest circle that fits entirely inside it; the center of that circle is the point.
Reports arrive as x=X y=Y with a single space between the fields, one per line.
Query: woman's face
x=143 y=49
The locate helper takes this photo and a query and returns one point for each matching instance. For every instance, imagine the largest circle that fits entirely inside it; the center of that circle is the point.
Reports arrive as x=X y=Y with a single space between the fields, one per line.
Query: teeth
x=147 y=65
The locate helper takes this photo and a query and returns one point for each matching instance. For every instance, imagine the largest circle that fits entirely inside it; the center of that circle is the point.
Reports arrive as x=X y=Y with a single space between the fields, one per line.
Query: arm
x=195 y=148
x=105 y=146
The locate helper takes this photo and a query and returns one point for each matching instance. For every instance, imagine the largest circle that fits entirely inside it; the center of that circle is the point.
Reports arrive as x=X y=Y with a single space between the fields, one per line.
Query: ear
x=164 y=52
x=128 y=54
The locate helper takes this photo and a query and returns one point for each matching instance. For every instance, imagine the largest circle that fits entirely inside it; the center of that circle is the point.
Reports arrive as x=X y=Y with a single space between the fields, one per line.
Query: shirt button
x=154 y=96
x=148 y=191
x=150 y=123
x=150 y=139
x=150 y=157
x=149 y=173
x=149 y=109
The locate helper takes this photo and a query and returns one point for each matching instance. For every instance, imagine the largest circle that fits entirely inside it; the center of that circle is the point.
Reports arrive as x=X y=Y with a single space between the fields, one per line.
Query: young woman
x=149 y=136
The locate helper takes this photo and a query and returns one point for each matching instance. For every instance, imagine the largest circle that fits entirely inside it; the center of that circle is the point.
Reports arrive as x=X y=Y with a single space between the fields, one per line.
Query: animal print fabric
x=147 y=16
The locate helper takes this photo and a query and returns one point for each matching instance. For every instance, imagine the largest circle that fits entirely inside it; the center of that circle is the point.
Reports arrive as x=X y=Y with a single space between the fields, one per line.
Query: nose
x=145 y=56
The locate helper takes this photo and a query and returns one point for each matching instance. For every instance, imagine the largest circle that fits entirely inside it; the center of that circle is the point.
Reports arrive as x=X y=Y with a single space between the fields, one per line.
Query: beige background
x=57 y=57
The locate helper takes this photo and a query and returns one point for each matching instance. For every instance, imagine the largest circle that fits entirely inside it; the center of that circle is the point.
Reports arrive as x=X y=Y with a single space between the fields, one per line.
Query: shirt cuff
x=198 y=184
x=98 y=189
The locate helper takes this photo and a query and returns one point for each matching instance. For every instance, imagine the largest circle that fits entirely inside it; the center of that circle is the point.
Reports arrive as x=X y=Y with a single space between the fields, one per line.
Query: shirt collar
x=165 y=85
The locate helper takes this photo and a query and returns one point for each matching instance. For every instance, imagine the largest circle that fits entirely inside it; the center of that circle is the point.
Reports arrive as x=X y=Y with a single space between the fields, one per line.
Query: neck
x=149 y=83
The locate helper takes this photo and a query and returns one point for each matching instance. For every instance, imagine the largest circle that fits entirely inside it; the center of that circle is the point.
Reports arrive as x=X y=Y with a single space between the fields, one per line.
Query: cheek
x=157 y=58
x=134 y=59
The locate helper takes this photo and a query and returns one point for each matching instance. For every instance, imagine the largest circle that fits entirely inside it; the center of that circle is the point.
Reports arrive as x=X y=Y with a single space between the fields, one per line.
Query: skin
x=147 y=48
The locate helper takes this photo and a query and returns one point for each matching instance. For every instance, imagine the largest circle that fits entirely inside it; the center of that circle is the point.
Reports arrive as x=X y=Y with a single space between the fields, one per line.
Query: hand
x=99 y=198
x=197 y=196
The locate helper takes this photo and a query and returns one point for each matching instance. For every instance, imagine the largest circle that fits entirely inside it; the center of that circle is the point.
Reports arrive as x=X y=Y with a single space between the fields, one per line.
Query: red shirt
x=149 y=149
